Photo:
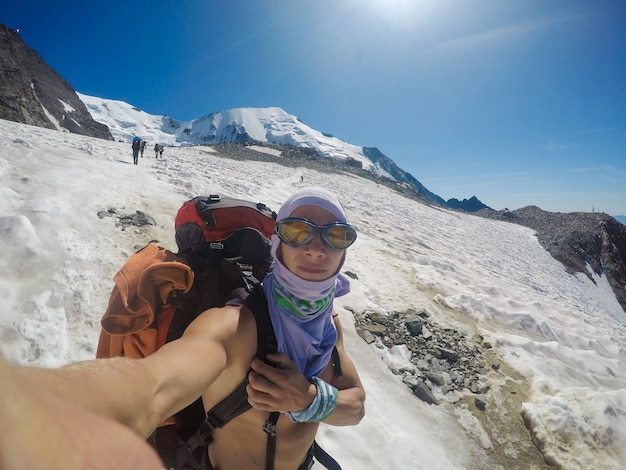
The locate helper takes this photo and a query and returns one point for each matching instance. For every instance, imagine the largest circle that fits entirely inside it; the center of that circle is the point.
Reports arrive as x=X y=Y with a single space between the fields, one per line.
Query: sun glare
x=398 y=11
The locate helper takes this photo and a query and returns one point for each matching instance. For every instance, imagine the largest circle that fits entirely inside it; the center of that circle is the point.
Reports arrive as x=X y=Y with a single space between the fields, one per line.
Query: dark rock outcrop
x=31 y=92
x=472 y=204
x=444 y=359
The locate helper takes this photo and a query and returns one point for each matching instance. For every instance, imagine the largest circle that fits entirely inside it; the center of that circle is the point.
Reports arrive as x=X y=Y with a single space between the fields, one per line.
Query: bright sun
x=399 y=11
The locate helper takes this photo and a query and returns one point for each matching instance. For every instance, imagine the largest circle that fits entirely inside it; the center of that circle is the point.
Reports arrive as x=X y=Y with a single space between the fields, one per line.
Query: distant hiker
x=302 y=179
x=311 y=379
x=161 y=150
x=156 y=150
x=136 y=147
x=53 y=431
x=143 y=147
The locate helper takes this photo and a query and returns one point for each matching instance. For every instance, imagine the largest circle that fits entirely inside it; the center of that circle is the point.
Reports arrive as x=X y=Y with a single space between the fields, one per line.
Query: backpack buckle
x=247 y=275
x=216 y=246
x=269 y=427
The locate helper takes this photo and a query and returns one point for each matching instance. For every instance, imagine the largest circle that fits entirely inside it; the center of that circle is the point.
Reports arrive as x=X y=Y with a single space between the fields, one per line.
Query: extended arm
x=140 y=393
x=42 y=430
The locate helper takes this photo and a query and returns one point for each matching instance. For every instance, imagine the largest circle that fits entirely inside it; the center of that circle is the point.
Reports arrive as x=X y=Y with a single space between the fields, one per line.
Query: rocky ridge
x=302 y=157
x=31 y=92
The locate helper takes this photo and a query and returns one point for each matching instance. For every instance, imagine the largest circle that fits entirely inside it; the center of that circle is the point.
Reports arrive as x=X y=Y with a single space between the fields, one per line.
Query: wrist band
x=322 y=406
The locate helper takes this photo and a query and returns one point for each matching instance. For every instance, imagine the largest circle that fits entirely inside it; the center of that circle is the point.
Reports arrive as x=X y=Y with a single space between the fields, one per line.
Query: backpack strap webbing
x=324 y=457
x=270 y=449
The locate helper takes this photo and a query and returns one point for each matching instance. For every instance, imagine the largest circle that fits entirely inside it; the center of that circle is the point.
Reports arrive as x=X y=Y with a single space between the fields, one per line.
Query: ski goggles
x=295 y=231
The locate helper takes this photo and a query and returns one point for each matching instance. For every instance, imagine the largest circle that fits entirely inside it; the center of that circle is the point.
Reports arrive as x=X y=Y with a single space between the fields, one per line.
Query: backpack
x=223 y=253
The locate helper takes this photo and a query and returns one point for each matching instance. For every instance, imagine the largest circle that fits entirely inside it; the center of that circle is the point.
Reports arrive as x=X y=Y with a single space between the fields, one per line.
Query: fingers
x=261 y=384
x=278 y=371
x=266 y=382
x=259 y=401
x=262 y=393
x=276 y=361
x=279 y=386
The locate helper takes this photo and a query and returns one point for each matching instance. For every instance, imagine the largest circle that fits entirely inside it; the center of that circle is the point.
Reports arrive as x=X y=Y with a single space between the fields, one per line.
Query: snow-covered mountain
x=244 y=125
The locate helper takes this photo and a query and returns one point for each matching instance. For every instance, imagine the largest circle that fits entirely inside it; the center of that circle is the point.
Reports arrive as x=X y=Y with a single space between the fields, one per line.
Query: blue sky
x=517 y=103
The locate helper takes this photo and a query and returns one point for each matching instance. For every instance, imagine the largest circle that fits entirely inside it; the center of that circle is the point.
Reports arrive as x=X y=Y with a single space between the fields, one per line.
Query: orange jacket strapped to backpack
x=142 y=286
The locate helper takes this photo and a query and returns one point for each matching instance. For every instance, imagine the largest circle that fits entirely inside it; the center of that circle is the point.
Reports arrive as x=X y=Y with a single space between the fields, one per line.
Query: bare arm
x=46 y=430
x=117 y=388
x=141 y=393
x=351 y=401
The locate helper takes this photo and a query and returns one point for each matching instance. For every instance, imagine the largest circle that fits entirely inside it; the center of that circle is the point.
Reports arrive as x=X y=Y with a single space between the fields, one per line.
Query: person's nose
x=317 y=247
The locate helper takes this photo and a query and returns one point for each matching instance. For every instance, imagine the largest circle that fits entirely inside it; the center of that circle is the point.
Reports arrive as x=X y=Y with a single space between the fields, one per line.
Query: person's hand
x=280 y=387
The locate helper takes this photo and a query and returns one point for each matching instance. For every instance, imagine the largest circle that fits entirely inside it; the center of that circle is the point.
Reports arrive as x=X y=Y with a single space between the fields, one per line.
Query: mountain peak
x=472 y=204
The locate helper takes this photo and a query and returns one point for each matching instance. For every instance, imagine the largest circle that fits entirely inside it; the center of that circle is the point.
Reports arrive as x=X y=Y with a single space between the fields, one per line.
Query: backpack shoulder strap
x=236 y=402
x=266 y=338
x=266 y=344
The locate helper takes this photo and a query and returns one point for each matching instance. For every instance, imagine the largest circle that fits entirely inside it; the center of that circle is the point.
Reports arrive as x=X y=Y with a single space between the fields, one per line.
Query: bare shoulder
x=219 y=323
x=218 y=333
x=215 y=351
x=232 y=326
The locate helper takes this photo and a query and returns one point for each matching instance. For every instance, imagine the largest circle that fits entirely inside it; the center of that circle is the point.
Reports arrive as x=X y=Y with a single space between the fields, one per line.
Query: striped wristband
x=323 y=404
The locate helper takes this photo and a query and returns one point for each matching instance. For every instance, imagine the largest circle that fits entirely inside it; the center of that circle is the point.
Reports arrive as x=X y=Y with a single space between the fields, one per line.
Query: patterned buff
x=301 y=310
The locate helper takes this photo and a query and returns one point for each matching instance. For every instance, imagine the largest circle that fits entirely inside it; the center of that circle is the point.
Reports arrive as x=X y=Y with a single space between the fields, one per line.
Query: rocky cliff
x=31 y=92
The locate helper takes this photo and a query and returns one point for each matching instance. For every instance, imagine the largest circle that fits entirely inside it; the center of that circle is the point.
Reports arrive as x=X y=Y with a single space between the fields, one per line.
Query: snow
x=270 y=151
x=66 y=106
x=564 y=334
x=126 y=121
